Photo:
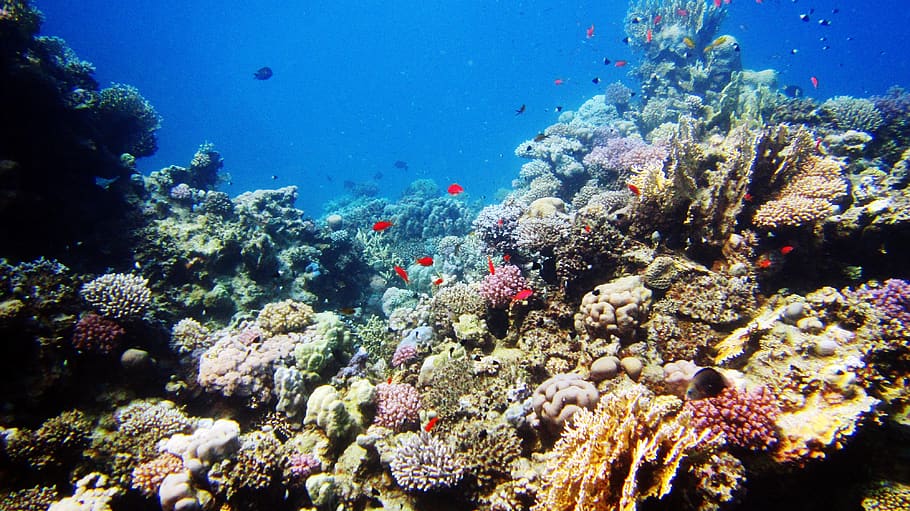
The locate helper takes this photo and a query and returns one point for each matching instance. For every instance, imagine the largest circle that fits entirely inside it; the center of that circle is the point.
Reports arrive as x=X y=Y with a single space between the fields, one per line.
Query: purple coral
x=181 y=192
x=404 y=353
x=892 y=299
x=97 y=334
x=623 y=154
x=397 y=405
x=745 y=418
x=496 y=224
x=499 y=288
x=302 y=465
x=895 y=104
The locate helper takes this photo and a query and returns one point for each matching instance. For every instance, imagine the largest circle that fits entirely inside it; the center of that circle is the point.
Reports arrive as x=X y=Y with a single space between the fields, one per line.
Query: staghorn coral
x=625 y=451
x=424 y=463
x=284 y=317
x=133 y=119
x=94 y=333
x=54 y=445
x=118 y=295
x=614 y=309
x=746 y=418
x=397 y=406
x=849 y=113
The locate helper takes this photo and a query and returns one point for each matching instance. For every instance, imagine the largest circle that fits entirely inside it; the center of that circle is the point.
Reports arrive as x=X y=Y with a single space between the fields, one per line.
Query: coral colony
x=543 y=353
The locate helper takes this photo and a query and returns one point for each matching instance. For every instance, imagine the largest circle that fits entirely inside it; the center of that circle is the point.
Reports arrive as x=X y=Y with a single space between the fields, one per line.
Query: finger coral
x=746 y=419
x=118 y=295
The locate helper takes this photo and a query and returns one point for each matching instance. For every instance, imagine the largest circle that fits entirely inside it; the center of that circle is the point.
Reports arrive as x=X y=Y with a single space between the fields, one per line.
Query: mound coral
x=614 y=309
x=627 y=450
x=849 y=113
x=558 y=398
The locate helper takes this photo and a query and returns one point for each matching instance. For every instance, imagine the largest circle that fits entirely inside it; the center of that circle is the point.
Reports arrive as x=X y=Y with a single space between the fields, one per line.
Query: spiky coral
x=625 y=451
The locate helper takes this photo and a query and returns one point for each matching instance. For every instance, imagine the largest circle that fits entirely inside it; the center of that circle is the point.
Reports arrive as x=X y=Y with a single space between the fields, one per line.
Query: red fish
x=500 y=222
x=425 y=261
x=522 y=295
x=454 y=189
x=657 y=19
x=634 y=189
x=590 y=31
x=763 y=263
x=648 y=36
x=818 y=144
x=401 y=273
x=716 y=3
x=437 y=281
x=748 y=197
x=382 y=225
x=587 y=228
x=814 y=81
x=620 y=63
x=786 y=249
x=430 y=424
x=506 y=257
x=558 y=81
x=490 y=264
x=727 y=1
x=682 y=12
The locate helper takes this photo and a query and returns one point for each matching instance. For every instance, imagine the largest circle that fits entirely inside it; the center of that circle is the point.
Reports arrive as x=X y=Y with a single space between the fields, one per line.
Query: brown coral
x=284 y=317
x=809 y=196
x=147 y=476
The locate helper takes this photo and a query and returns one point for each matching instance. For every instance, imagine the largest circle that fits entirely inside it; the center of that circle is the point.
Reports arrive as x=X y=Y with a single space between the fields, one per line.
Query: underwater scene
x=500 y=256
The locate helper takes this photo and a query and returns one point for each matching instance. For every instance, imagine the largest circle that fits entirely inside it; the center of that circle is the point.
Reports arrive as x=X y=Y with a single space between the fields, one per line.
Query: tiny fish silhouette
x=264 y=73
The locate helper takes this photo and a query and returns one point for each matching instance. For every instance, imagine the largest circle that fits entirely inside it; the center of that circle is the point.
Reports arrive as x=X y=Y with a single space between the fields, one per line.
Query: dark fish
x=824 y=23
x=274 y=177
x=707 y=382
x=264 y=73
x=403 y=165
x=540 y=137
x=735 y=46
x=606 y=61
x=625 y=40
x=520 y=110
x=559 y=108
x=377 y=176
x=595 y=80
x=349 y=185
x=792 y=91
x=804 y=17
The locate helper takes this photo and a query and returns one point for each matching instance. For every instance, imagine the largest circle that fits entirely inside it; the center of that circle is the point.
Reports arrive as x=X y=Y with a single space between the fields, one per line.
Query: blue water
x=359 y=85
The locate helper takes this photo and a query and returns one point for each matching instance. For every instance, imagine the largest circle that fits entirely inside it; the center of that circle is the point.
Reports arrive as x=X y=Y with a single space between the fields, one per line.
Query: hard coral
x=614 y=309
x=892 y=301
x=285 y=316
x=745 y=418
x=397 y=405
x=147 y=477
x=499 y=288
x=424 y=463
x=118 y=295
x=557 y=399
x=809 y=196
x=97 y=334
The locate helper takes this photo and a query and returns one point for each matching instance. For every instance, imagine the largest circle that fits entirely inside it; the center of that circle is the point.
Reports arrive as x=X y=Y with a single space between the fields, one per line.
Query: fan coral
x=283 y=317
x=627 y=450
x=118 y=295
x=97 y=334
x=615 y=308
x=499 y=288
x=397 y=405
x=745 y=418
x=808 y=197
x=557 y=399
x=852 y=113
x=424 y=463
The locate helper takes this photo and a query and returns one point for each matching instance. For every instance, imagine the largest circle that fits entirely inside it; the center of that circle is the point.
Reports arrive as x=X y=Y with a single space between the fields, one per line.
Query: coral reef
x=422 y=462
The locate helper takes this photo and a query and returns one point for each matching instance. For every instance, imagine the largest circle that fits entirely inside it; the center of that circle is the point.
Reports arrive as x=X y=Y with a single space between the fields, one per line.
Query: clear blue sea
x=359 y=85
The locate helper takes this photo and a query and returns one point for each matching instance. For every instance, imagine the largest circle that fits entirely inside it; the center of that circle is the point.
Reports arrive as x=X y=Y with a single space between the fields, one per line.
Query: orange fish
x=500 y=222
x=506 y=257
x=382 y=225
x=425 y=261
x=657 y=19
x=814 y=81
x=634 y=189
x=522 y=295
x=401 y=273
x=490 y=264
x=437 y=281
x=764 y=263
x=454 y=189
x=430 y=424
x=620 y=63
x=558 y=81
x=587 y=228
x=786 y=249
x=648 y=36
x=682 y=12
x=748 y=197
x=590 y=31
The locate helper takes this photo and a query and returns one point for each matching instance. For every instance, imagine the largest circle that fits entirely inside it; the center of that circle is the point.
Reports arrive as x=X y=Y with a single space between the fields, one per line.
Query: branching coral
x=809 y=197
x=422 y=463
x=849 y=113
x=624 y=452
x=118 y=295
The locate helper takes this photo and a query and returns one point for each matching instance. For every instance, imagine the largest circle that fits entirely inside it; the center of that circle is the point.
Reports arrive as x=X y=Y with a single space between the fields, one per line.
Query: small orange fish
x=382 y=225
x=558 y=81
x=648 y=36
x=786 y=249
x=389 y=381
x=347 y=311
x=620 y=63
x=814 y=81
x=657 y=19
x=634 y=189
x=437 y=281
x=763 y=263
x=490 y=264
x=430 y=424
x=402 y=273
x=500 y=222
x=748 y=197
x=818 y=144
x=590 y=31
x=454 y=189
x=522 y=295
x=425 y=261
x=506 y=257
x=587 y=228
x=682 y=12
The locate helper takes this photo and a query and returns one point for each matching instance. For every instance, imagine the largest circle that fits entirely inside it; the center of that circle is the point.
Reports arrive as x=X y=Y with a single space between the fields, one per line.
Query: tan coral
x=596 y=465
x=147 y=477
x=284 y=317
x=809 y=196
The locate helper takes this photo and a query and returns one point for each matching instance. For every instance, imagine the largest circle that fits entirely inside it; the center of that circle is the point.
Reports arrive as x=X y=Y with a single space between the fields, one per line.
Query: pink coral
x=745 y=418
x=97 y=334
x=397 y=405
x=499 y=288
x=404 y=353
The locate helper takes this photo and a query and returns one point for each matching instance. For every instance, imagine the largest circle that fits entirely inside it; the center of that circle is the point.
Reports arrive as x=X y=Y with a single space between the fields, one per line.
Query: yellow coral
x=807 y=198
x=597 y=463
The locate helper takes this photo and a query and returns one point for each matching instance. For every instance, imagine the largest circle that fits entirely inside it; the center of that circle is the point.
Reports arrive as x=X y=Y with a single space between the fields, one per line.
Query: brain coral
x=614 y=309
x=557 y=399
x=118 y=295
